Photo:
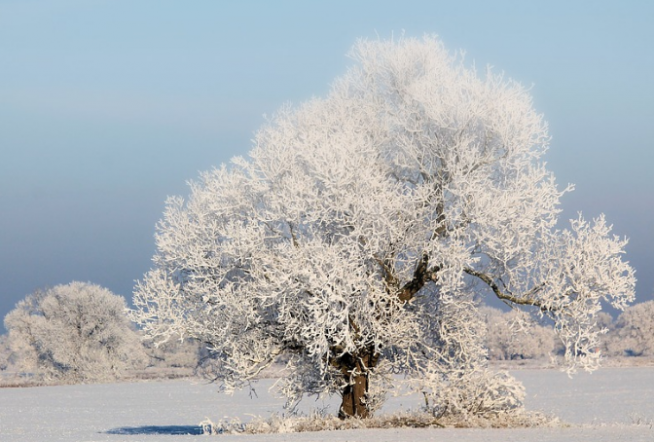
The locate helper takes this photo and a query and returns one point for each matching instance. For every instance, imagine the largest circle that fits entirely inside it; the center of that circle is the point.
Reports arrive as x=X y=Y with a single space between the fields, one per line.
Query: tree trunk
x=354 y=398
x=356 y=370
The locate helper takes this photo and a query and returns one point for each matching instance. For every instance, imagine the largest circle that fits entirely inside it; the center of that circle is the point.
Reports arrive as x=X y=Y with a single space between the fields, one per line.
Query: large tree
x=358 y=237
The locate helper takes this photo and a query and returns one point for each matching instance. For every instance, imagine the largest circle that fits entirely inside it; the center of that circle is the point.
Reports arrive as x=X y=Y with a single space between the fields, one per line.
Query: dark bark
x=356 y=368
x=421 y=275
x=354 y=396
x=529 y=298
x=356 y=371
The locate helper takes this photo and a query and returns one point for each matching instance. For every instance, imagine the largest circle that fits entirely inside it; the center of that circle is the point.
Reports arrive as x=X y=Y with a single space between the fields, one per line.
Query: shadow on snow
x=159 y=429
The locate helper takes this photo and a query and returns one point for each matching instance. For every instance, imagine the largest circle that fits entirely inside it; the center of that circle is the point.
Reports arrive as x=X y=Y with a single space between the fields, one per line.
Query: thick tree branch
x=390 y=280
x=421 y=275
x=528 y=299
x=293 y=237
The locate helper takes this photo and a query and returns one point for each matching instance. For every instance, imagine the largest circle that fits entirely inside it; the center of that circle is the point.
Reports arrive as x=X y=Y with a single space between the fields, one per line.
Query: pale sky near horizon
x=108 y=107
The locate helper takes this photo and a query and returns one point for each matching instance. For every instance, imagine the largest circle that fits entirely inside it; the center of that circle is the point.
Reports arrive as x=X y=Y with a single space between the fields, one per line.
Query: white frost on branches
x=75 y=332
x=360 y=233
x=516 y=335
x=633 y=332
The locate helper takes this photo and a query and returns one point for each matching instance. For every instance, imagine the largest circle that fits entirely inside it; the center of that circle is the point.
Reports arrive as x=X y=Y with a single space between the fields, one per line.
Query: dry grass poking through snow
x=322 y=422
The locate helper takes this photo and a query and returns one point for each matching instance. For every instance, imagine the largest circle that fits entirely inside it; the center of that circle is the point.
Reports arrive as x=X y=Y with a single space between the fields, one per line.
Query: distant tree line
x=81 y=332
x=630 y=334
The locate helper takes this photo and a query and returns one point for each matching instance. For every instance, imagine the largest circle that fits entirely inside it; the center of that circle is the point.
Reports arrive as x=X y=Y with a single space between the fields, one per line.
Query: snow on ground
x=613 y=404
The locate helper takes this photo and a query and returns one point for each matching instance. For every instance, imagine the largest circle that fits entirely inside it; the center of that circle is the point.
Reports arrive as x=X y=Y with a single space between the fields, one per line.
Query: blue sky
x=108 y=107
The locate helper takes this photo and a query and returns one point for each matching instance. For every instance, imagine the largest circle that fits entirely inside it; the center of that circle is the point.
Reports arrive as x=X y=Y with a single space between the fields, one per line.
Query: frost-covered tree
x=633 y=332
x=363 y=228
x=5 y=352
x=74 y=333
x=174 y=353
x=516 y=335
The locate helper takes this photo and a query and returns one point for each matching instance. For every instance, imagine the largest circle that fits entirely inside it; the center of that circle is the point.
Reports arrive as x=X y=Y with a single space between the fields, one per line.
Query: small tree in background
x=633 y=332
x=74 y=333
x=359 y=235
x=174 y=353
x=516 y=335
x=5 y=352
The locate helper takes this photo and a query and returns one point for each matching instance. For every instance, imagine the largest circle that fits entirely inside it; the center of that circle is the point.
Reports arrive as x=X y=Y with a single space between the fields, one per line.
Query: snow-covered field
x=613 y=404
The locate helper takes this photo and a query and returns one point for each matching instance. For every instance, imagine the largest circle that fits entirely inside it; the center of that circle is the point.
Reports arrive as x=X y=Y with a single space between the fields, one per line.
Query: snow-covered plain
x=612 y=404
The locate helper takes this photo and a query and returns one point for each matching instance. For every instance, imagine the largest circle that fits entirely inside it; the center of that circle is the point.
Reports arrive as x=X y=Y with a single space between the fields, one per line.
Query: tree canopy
x=74 y=332
x=360 y=234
